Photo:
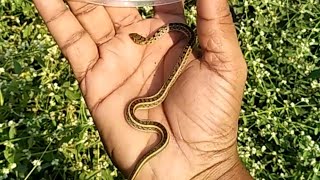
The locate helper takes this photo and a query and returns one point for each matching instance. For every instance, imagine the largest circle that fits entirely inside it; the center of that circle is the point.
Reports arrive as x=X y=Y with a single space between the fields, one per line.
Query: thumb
x=218 y=38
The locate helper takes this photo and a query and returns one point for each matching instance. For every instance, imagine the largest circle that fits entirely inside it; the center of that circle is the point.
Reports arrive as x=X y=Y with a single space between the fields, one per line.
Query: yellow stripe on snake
x=159 y=97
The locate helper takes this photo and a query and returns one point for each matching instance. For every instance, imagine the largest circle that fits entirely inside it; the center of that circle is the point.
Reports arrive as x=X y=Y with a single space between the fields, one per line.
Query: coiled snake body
x=159 y=97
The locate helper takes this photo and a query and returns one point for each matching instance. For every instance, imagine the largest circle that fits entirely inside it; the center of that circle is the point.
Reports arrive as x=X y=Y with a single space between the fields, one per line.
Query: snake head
x=137 y=38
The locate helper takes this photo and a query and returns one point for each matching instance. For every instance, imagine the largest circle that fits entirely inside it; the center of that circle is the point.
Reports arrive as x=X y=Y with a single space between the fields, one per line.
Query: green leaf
x=30 y=142
x=314 y=74
x=1 y=99
x=27 y=31
x=72 y=95
x=66 y=84
x=82 y=176
x=261 y=19
x=315 y=177
x=54 y=123
x=18 y=155
x=9 y=155
x=58 y=98
x=12 y=132
x=17 y=67
x=22 y=170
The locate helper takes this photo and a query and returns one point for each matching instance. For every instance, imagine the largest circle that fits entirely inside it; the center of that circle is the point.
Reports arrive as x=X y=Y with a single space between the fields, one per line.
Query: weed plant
x=46 y=132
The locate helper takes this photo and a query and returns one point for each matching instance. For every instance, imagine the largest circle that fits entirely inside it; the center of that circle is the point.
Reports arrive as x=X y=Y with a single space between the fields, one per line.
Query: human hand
x=202 y=109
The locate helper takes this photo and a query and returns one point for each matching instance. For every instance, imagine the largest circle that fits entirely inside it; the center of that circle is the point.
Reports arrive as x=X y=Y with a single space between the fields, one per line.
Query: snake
x=160 y=96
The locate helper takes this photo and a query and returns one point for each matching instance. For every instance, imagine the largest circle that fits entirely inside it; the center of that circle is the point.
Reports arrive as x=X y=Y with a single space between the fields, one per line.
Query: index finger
x=69 y=35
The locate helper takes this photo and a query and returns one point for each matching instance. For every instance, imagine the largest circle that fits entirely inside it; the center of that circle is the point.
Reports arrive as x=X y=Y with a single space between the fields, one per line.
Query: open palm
x=201 y=111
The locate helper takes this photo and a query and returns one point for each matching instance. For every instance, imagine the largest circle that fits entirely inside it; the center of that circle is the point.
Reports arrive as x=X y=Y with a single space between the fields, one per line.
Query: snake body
x=159 y=97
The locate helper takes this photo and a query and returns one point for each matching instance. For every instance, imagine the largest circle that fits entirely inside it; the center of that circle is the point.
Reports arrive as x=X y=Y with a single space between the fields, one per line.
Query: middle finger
x=123 y=16
x=95 y=20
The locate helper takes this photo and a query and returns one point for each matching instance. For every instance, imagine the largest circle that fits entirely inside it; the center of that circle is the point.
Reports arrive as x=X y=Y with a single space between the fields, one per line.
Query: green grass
x=46 y=131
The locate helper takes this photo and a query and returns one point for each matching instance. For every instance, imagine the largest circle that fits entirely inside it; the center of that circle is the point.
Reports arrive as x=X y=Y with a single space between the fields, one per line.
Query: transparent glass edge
x=128 y=3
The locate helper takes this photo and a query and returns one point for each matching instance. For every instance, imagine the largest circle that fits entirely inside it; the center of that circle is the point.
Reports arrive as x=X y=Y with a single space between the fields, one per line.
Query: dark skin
x=202 y=109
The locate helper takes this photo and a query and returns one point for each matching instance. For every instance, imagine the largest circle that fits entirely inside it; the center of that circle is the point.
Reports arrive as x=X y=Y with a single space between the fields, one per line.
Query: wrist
x=230 y=167
x=237 y=171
